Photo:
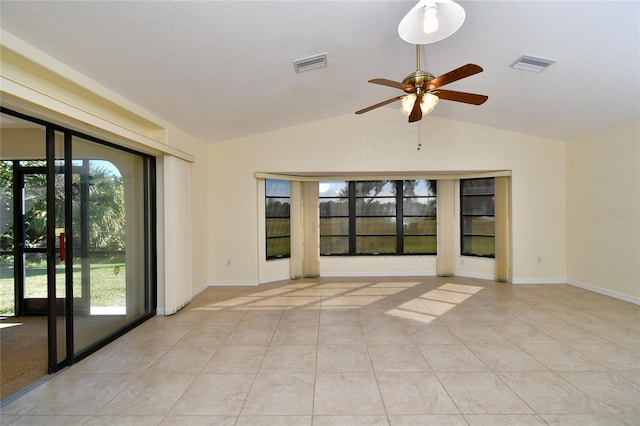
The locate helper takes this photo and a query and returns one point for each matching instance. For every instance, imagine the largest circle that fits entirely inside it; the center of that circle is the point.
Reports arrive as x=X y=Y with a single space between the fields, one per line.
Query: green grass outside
x=107 y=288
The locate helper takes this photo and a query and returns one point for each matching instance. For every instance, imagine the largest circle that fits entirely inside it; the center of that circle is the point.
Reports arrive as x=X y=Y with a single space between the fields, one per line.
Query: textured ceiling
x=223 y=69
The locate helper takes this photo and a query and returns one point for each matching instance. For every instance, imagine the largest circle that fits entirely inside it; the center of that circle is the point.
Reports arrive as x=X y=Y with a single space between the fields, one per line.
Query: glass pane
x=278 y=247
x=35 y=276
x=423 y=206
x=6 y=206
x=7 y=295
x=278 y=227
x=479 y=225
x=419 y=188
x=278 y=207
x=478 y=205
x=334 y=226
x=277 y=188
x=478 y=246
x=375 y=207
x=477 y=186
x=420 y=226
x=376 y=245
x=421 y=245
x=375 y=188
x=376 y=226
x=109 y=254
x=334 y=207
x=334 y=189
x=35 y=210
x=334 y=245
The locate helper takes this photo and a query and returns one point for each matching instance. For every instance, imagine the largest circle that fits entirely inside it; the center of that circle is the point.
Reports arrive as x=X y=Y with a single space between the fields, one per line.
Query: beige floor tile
x=558 y=357
x=452 y=358
x=205 y=335
x=301 y=315
x=295 y=334
x=183 y=359
x=414 y=393
x=428 y=420
x=191 y=420
x=482 y=393
x=149 y=394
x=127 y=360
x=397 y=358
x=247 y=335
x=236 y=359
x=214 y=394
x=548 y=393
x=430 y=334
x=343 y=358
x=263 y=318
x=611 y=356
x=289 y=359
x=504 y=420
x=340 y=335
x=280 y=394
x=336 y=330
x=274 y=421
x=347 y=394
x=584 y=420
x=523 y=334
x=477 y=334
x=619 y=395
x=223 y=319
x=339 y=317
x=568 y=334
x=125 y=420
x=391 y=332
x=506 y=358
x=350 y=420
x=86 y=395
x=18 y=420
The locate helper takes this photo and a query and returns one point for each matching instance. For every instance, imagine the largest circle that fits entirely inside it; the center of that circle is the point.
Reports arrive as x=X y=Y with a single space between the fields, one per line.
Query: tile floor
x=361 y=351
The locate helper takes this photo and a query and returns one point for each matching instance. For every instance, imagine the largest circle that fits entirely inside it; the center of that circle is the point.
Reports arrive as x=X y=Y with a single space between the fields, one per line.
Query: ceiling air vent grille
x=532 y=63
x=312 y=62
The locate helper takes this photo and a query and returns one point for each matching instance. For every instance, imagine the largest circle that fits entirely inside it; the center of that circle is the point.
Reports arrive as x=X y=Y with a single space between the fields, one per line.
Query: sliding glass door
x=77 y=240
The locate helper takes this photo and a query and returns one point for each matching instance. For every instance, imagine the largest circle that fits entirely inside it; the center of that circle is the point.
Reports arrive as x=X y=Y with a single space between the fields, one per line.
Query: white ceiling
x=223 y=69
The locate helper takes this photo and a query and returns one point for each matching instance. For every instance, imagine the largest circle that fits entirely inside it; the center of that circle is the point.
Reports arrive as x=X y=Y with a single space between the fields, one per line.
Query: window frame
x=267 y=217
x=464 y=215
x=399 y=216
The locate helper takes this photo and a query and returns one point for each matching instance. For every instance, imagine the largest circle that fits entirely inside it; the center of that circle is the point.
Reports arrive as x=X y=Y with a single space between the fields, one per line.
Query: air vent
x=312 y=62
x=532 y=63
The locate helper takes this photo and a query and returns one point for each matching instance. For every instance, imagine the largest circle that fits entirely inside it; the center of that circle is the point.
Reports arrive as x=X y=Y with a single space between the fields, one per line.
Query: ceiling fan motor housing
x=417 y=79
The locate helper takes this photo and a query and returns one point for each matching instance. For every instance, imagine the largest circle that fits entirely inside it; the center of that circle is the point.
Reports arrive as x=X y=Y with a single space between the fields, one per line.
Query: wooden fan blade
x=467 y=98
x=388 y=101
x=416 y=111
x=390 y=83
x=455 y=75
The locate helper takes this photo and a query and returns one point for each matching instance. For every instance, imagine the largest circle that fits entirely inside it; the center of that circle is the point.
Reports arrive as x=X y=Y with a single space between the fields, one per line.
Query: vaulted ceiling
x=223 y=69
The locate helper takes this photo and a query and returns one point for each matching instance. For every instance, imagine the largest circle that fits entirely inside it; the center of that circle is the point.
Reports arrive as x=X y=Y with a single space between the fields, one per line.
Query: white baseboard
x=379 y=274
x=539 y=281
x=606 y=292
x=232 y=283
x=274 y=279
x=489 y=277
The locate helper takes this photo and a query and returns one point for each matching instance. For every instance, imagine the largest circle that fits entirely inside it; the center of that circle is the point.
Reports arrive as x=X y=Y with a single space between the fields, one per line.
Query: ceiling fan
x=423 y=90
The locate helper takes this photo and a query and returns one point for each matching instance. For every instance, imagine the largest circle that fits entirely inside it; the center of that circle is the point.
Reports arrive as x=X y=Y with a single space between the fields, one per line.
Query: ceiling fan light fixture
x=429 y=102
x=430 y=21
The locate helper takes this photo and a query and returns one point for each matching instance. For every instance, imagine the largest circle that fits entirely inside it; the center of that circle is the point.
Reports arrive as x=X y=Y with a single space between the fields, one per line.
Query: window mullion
x=352 y=218
x=399 y=217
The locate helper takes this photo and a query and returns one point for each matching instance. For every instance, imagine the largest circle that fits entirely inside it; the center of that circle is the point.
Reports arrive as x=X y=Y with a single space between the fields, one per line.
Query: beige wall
x=382 y=141
x=603 y=211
